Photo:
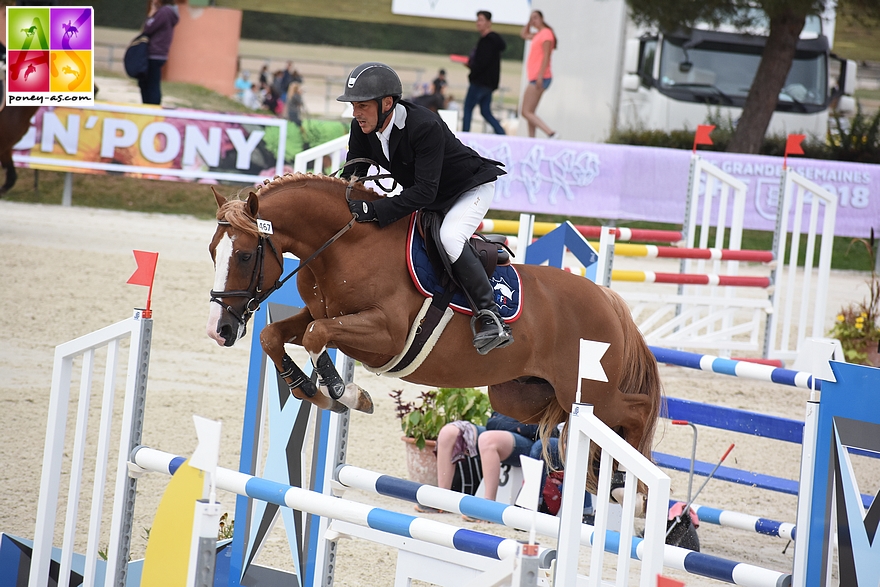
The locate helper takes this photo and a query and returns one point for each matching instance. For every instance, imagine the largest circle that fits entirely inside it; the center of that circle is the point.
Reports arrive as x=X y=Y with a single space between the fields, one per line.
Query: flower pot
x=873 y=353
x=421 y=464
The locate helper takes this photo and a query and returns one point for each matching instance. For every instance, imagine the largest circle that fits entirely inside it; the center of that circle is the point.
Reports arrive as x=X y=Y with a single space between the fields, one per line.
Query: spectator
x=270 y=98
x=485 y=66
x=250 y=97
x=500 y=442
x=242 y=83
x=264 y=75
x=538 y=70
x=159 y=26
x=294 y=104
x=439 y=83
x=551 y=481
x=286 y=80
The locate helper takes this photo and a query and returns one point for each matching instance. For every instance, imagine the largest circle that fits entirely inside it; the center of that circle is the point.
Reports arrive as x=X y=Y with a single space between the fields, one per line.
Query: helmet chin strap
x=382 y=116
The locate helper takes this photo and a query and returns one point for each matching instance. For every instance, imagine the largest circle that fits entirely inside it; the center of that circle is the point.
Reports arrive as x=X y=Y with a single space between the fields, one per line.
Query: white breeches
x=464 y=217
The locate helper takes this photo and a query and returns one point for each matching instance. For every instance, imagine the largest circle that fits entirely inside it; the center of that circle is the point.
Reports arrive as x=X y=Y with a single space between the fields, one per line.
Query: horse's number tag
x=265 y=226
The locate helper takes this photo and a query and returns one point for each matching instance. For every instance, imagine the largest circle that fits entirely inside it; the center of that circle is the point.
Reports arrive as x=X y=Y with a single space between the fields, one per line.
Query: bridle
x=255 y=290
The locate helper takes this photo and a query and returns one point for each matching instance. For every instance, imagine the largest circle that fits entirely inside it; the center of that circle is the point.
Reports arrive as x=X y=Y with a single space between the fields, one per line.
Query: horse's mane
x=236 y=212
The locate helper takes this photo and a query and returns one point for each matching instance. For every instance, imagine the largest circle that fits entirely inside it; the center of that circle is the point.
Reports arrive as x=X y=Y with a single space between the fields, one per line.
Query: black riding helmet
x=372 y=81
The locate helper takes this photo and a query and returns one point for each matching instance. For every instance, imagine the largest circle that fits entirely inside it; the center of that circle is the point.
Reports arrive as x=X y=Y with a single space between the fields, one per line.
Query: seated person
x=501 y=441
x=551 y=481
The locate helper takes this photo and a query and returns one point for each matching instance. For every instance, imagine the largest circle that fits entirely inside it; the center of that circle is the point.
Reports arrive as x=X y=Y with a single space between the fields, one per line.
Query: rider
x=437 y=172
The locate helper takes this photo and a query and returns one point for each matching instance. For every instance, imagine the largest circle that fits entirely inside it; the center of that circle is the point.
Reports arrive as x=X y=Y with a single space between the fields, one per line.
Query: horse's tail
x=641 y=374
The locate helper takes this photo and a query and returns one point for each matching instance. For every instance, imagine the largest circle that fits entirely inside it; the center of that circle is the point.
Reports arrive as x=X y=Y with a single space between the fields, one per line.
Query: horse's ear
x=253 y=203
x=220 y=199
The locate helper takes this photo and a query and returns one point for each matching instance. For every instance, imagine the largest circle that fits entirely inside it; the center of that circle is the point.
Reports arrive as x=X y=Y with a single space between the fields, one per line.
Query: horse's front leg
x=369 y=331
x=273 y=338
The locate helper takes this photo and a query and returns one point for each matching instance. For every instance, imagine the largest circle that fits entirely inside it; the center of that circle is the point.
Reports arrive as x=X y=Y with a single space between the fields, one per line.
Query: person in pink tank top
x=538 y=70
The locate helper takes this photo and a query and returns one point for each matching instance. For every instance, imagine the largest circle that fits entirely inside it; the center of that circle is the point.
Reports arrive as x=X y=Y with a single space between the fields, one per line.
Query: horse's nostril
x=227 y=334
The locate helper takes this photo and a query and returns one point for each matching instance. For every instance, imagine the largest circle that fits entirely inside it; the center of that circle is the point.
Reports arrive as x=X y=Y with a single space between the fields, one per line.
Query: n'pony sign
x=152 y=142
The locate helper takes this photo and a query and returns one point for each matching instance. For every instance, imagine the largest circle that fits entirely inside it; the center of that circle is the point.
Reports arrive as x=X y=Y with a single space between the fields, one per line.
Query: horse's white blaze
x=222 y=259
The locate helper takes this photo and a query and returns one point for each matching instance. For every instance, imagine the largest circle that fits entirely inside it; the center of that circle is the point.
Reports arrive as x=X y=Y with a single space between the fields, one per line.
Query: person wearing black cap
x=437 y=172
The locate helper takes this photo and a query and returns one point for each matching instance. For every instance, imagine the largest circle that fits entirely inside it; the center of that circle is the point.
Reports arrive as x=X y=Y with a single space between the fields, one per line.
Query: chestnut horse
x=14 y=123
x=360 y=299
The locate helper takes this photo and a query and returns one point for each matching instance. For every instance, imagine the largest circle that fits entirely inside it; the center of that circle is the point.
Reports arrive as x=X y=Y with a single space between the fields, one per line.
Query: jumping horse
x=14 y=123
x=360 y=299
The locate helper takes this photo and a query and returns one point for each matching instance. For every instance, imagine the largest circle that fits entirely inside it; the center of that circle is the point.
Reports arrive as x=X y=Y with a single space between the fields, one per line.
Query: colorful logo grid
x=50 y=55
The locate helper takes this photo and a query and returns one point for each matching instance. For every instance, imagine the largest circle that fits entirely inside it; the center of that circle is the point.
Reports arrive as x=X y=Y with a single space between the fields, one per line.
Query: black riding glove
x=363 y=211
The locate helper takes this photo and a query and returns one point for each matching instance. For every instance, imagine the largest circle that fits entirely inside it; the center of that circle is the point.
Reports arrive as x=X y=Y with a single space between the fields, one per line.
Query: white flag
x=589 y=365
x=208 y=450
x=531 y=489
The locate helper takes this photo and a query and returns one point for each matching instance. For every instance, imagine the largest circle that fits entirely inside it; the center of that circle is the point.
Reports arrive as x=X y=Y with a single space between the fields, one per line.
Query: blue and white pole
x=674 y=557
x=339 y=509
x=742 y=521
x=744 y=369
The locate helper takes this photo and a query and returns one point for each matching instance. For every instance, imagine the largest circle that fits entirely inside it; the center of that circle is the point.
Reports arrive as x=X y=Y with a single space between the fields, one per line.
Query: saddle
x=438 y=308
x=492 y=249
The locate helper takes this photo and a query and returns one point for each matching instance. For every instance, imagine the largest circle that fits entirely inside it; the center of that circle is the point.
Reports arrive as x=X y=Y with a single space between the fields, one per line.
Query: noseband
x=255 y=290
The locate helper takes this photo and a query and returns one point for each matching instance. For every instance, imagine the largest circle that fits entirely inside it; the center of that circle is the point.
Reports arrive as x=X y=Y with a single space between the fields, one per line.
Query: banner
x=624 y=182
x=155 y=143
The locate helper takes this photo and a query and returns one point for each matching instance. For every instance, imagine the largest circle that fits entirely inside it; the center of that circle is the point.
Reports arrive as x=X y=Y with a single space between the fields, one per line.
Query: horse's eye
x=245 y=257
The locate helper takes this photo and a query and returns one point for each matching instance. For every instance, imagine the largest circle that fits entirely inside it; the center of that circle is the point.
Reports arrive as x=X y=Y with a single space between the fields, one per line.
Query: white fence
x=136 y=331
x=783 y=337
x=584 y=427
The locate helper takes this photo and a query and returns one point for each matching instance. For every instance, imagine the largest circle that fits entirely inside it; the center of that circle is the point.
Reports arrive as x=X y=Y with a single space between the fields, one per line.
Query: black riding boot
x=493 y=333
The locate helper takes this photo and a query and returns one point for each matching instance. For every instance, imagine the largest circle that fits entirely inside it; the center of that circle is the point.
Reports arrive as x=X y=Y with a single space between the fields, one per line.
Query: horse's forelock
x=235 y=212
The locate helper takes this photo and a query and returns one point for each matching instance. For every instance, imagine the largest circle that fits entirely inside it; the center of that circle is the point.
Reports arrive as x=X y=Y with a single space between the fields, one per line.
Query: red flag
x=701 y=137
x=667 y=582
x=146 y=268
x=793 y=145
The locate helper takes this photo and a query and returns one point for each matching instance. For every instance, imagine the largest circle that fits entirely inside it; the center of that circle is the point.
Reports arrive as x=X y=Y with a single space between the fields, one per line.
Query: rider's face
x=367 y=113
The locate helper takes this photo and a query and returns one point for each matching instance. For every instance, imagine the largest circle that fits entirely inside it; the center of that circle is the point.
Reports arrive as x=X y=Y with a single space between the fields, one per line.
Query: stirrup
x=485 y=340
x=329 y=377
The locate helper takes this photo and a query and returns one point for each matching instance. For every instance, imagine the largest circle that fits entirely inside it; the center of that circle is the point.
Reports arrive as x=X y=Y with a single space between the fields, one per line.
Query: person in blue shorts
x=500 y=442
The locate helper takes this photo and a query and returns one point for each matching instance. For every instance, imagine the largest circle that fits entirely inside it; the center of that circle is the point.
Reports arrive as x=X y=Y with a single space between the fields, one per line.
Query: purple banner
x=623 y=182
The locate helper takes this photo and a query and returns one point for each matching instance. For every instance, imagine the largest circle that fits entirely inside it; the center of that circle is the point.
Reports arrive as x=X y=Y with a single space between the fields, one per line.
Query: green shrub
x=437 y=408
x=857 y=140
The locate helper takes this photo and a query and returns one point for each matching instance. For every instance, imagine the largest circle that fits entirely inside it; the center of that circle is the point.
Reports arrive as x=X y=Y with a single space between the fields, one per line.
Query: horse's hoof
x=356 y=398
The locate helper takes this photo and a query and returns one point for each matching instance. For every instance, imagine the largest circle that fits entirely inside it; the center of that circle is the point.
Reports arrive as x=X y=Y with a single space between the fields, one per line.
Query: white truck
x=609 y=73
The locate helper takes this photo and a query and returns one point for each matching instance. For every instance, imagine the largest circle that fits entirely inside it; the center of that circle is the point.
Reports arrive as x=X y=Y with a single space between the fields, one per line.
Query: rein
x=259 y=295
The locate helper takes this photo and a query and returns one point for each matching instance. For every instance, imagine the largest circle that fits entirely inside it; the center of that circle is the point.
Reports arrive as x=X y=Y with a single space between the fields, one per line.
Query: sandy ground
x=64 y=273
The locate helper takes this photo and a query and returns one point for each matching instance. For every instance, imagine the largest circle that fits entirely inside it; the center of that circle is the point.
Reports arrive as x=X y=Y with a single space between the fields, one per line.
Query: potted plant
x=421 y=423
x=858 y=325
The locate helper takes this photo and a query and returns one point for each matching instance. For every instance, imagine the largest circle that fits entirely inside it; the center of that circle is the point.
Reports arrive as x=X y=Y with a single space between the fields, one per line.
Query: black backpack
x=137 y=59
x=468 y=475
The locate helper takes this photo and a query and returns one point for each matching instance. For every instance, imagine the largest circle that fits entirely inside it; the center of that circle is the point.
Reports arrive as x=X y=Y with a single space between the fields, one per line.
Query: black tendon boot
x=294 y=377
x=329 y=377
x=490 y=331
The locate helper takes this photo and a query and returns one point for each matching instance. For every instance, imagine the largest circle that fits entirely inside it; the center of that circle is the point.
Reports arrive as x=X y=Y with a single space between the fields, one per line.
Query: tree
x=786 y=18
